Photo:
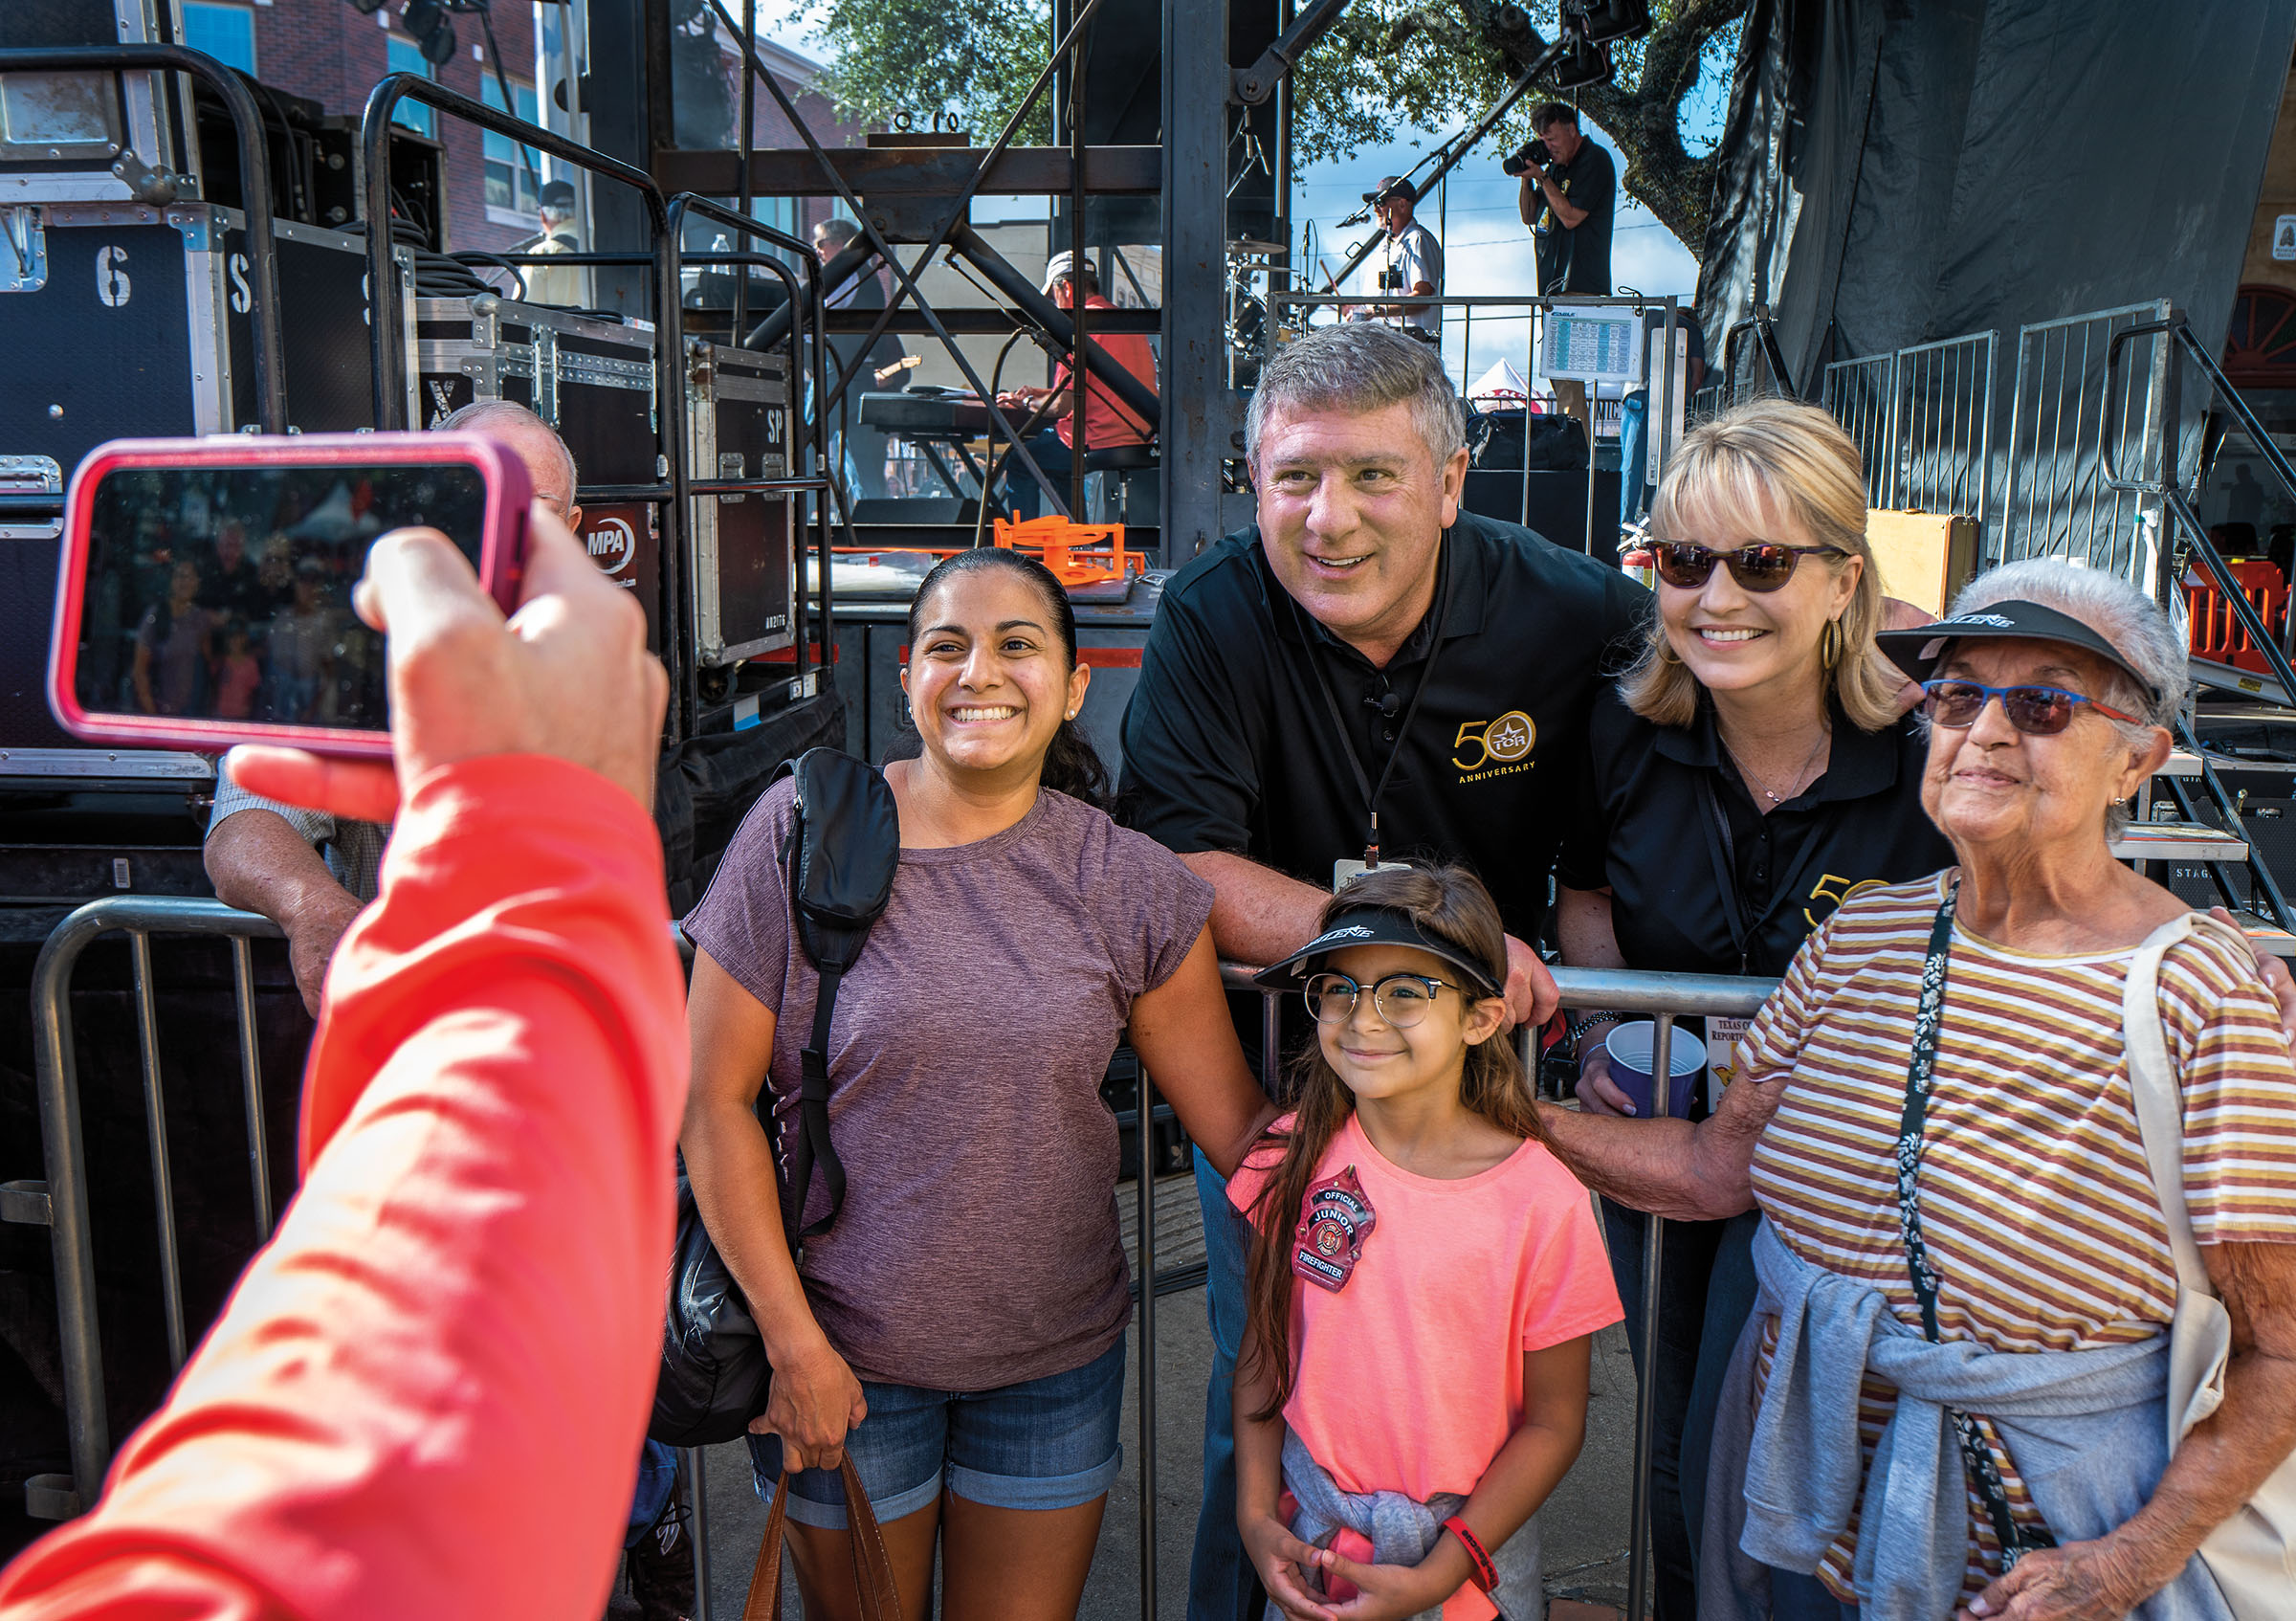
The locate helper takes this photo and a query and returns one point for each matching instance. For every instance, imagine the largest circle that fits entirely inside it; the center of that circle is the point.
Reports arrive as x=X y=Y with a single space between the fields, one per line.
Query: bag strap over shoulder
x=844 y=849
x=2152 y=1087
x=879 y=1596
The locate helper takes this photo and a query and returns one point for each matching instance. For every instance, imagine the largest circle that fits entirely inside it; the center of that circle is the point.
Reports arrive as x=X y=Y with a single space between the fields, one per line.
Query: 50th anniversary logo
x=1494 y=749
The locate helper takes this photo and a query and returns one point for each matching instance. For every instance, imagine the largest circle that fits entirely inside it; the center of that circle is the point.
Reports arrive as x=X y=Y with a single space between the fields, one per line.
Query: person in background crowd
x=234 y=587
x=458 y=1322
x=1428 y=1394
x=1753 y=770
x=1108 y=421
x=238 y=674
x=1351 y=672
x=863 y=290
x=170 y=668
x=1952 y=1393
x=960 y=1329
x=556 y=284
x=1634 y=411
x=1410 y=261
x=1568 y=204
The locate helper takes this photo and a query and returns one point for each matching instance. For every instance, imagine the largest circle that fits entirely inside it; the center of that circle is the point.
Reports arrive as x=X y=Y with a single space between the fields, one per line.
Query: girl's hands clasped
x=1283 y=1562
x=815 y=1400
x=1391 y=1592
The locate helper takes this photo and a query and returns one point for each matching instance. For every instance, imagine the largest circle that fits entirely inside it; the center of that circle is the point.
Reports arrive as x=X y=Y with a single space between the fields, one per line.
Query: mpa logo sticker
x=612 y=543
x=1495 y=748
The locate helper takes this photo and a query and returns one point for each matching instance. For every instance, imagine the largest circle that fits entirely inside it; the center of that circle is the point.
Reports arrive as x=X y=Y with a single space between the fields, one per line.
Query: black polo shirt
x=1229 y=743
x=1686 y=899
x=1577 y=259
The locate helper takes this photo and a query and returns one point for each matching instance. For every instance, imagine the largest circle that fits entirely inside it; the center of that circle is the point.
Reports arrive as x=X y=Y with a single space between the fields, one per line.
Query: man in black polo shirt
x=1568 y=206
x=1368 y=673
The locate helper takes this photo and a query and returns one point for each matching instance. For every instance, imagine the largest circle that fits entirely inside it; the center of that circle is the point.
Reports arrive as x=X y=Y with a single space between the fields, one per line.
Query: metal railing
x=2074 y=415
x=1922 y=418
x=60 y=1201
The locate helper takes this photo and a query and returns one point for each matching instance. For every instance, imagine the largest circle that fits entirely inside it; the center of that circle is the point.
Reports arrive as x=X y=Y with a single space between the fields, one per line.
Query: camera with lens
x=1533 y=154
x=1391 y=279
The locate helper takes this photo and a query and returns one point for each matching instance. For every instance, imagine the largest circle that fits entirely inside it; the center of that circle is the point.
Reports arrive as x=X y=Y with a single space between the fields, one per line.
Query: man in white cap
x=552 y=284
x=1108 y=421
x=1409 y=261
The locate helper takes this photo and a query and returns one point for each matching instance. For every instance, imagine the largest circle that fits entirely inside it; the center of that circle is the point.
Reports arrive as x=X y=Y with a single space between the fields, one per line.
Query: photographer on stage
x=1410 y=261
x=1570 y=189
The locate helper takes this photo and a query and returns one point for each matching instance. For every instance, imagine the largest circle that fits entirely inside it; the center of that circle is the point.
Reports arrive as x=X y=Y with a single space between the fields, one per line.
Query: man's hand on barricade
x=312 y=932
x=567 y=675
x=815 y=1401
x=1531 y=997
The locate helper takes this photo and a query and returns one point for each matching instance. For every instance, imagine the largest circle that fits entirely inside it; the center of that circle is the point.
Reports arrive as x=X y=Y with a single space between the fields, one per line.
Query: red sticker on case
x=1335 y=1218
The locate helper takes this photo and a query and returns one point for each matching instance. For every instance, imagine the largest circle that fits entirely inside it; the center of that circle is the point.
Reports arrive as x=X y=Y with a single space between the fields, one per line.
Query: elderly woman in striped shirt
x=1954 y=1394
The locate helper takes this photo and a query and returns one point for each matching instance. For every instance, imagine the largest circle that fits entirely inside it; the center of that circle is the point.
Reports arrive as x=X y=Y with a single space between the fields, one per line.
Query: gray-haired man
x=311 y=873
x=1366 y=646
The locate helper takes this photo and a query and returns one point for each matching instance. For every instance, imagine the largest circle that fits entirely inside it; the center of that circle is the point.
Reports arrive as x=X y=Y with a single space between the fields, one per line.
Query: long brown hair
x=1448 y=903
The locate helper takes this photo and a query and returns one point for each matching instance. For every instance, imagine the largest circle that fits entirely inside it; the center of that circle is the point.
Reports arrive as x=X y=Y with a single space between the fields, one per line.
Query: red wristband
x=1483 y=1574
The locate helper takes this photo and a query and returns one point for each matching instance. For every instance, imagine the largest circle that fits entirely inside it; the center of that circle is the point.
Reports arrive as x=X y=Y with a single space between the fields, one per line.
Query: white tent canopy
x=1501 y=382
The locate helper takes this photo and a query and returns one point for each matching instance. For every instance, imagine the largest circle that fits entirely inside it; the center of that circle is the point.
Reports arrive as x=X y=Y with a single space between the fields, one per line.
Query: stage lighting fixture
x=1583 y=64
x=433 y=30
x=1604 y=20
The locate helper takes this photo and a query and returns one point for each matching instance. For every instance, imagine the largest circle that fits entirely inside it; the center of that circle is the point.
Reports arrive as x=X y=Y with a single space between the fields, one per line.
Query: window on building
x=511 y=173
x=407 y=56
x=223 y=31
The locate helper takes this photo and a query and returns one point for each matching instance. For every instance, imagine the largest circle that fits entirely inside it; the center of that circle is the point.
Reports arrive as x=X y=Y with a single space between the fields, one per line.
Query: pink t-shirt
x=1410 y=1378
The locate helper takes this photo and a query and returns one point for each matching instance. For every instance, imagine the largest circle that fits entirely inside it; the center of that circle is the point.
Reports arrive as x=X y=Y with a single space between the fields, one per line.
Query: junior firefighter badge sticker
x=1335 y=1218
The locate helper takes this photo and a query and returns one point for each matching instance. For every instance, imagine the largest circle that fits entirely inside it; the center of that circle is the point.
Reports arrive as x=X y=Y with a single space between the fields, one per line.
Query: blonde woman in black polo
x=1752 y=769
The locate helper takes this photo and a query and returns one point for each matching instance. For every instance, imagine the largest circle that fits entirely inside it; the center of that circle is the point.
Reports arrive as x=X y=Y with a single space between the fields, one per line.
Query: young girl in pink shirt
x=1424 y=1283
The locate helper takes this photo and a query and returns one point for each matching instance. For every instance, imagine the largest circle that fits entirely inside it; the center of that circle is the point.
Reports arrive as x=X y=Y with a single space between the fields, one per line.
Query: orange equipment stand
x=1078 y=554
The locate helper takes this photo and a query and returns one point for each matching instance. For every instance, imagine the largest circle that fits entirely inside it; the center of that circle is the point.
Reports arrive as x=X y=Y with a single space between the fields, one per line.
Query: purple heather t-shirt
x=977 y=1244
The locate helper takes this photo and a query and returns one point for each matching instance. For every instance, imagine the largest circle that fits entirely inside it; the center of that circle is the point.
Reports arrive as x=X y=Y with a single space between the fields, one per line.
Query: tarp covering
x=1900 y=170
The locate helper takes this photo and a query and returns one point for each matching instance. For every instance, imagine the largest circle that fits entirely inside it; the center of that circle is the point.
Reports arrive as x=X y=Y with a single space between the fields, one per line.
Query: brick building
x=330 y=53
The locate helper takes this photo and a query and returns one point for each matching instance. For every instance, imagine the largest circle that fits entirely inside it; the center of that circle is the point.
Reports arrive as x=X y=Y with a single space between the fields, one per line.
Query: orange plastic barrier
x=2215 y=630
x=1078 y=554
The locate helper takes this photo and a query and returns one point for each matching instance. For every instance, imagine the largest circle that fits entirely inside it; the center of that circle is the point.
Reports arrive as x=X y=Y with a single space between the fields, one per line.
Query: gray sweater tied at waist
x=1403 y=1531
x=2087 y=1431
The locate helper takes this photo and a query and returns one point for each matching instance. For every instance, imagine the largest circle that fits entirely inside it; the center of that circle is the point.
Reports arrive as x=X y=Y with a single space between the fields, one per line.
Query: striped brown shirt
x=2036 y=1205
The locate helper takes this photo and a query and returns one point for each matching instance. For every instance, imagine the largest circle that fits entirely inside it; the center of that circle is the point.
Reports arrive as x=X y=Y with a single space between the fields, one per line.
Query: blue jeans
x=1634 y=455
x=657 y=1478
x=1039 y=1444
x=1222 y=1583
x=1021 y=491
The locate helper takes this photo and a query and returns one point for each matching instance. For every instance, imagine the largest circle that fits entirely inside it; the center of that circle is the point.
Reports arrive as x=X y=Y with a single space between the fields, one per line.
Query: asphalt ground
x=1582 y=1527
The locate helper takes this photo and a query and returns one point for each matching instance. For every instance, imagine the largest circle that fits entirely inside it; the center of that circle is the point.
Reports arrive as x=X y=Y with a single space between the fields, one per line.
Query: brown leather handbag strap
x=880 y=1599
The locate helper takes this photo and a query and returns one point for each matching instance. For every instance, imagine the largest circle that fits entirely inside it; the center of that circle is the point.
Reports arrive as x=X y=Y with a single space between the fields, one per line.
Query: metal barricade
x=2073 y=420
x=60 y=1201
x=1921 y=419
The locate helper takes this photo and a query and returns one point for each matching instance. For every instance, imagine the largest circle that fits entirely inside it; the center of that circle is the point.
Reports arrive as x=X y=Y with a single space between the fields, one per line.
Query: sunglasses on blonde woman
x=2041 y=712
x=1762 y=565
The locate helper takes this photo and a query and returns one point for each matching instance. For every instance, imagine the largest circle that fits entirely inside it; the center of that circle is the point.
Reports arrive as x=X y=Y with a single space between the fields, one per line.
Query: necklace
x=1793 y=783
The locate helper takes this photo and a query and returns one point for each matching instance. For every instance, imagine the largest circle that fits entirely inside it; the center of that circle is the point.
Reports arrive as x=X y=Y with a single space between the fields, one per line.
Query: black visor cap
x=1372 y=925
x=1919 y=650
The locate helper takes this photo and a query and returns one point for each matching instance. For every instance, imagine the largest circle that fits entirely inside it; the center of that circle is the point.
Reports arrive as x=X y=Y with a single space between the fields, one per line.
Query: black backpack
x=844 y=847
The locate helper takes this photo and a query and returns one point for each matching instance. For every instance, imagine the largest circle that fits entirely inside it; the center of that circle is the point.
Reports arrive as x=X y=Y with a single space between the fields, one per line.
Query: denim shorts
x=1041 y=1444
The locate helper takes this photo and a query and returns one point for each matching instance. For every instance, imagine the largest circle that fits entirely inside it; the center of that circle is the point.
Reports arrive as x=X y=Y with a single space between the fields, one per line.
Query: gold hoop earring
x=1829 y=643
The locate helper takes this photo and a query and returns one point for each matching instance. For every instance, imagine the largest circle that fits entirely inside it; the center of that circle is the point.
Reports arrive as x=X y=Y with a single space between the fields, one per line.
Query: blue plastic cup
x=1630 y=1047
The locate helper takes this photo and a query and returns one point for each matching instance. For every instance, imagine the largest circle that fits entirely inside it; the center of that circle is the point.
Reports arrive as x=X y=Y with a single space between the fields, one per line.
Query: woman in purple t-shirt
x=959 y=1330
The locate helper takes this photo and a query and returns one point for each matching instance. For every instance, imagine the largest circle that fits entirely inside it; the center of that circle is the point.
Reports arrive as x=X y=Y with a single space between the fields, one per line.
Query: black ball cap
x=1371 y=926
x=1919 y=650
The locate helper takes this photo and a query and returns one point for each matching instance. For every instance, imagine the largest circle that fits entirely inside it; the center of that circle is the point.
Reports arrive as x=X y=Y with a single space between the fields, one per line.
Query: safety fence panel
x=60 y=1201
x=2074 y=421
x=1862 y=395
x=1921 y=419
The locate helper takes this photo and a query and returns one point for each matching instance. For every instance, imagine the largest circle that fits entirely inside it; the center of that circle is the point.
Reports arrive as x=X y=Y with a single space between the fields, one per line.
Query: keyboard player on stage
x=1108 y=421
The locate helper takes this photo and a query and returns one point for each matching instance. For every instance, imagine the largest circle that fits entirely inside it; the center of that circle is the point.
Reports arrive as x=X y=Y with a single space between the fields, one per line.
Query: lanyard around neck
x=1370 y=790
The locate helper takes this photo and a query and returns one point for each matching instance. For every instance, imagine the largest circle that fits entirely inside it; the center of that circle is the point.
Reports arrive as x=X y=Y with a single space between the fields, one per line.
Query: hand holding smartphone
x=206 y=589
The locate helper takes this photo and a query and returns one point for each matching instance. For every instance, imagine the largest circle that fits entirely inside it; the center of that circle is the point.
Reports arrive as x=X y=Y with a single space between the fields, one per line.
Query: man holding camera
x=1410 y=262
x=1569 y=192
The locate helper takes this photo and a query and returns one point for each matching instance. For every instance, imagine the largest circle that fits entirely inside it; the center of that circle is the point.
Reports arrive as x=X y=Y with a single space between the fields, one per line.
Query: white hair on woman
x=2131 y=621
